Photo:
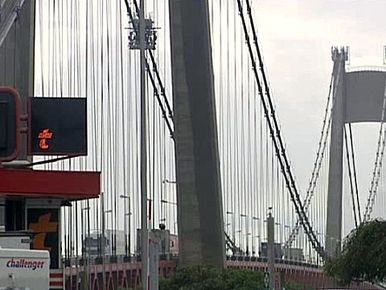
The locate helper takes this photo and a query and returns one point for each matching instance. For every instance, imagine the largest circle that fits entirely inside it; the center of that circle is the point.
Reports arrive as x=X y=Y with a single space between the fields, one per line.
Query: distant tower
x=358 y=97
x=200 y=215
x=334 y=200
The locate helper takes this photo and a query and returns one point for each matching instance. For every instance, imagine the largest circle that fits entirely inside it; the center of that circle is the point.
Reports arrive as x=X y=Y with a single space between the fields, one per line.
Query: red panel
x=16 y=95
x=60 y=184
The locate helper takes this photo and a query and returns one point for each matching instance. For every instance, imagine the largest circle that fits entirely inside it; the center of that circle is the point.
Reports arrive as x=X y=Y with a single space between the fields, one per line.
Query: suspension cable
x=377 y=164
x=355 y=173
x=313 y=184
x=286 y=166
x=350 y=176
x=322 y=145
x=275 y=131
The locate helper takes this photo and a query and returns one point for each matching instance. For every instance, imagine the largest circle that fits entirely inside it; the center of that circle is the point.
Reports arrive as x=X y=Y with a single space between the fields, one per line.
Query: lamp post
x=317 y=256
x=126 y=228
x=253 y=235
x=246 y=228
x=87 y=247
x=103 y=242
x=258 y=245
x=233 y=225
x=165 y=201
x=104 y=230
x=227 y=227
x=279 y=233
x=271 y=247
x=172 y=203
x=169 y=181
x=143 y=169
x=168 y=202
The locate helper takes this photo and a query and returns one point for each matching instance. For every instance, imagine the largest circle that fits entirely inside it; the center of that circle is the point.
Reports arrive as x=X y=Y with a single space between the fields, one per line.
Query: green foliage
x=363 y=255
x=242 y=279
x=210 y=278
x=294 y=286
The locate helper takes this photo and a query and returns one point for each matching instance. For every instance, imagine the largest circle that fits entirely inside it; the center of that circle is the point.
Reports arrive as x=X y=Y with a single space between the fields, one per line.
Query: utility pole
x=144 y=239
x=103 y=241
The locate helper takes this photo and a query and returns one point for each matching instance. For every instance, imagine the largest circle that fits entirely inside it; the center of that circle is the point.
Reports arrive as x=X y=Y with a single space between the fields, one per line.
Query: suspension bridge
x=205 y=144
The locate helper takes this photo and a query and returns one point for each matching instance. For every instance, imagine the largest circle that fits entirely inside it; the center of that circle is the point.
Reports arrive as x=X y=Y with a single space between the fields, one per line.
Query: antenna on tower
x=384 y=54
x=347 y=55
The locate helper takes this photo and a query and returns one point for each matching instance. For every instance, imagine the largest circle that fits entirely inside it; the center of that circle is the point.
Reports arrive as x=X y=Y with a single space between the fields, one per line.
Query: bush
x=294 y=286
x=363 y=256
x=210 y=278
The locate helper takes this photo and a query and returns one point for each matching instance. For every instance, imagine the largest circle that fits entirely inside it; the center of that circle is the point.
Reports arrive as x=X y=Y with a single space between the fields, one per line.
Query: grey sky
x=296 y=36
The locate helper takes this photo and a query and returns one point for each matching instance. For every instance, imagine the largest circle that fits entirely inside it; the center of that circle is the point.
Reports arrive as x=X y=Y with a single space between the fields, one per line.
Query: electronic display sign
x=58 y=126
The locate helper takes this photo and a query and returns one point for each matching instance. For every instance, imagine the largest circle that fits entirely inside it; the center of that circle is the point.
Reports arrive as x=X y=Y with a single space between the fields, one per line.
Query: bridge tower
x=334 y=199
x=200 y=216
x=358 y=96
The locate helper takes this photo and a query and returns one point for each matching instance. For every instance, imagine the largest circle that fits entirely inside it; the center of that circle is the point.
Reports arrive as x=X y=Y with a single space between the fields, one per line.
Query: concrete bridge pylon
x=358 y=96
x=200 y=215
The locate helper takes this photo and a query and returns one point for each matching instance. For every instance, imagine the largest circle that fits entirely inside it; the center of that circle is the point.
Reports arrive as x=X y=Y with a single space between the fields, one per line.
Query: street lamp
x=169 y=181
x=279 y=233
x=172 y=203
x=253 y=233
x=175 y=228
x=233 y=224
x=87 y=244
x=104 y=232
x=168 y=202
x=258 y=244
x=164 y=201
x=246 y=229
x=127 y=230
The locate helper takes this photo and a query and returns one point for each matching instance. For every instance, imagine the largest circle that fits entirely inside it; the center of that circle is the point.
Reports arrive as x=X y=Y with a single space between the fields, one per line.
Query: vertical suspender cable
x=275 y=132
x=355 y=173
x=350 y=176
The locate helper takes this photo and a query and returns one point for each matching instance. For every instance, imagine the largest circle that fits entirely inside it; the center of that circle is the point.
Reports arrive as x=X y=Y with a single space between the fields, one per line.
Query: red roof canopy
x=50 y=184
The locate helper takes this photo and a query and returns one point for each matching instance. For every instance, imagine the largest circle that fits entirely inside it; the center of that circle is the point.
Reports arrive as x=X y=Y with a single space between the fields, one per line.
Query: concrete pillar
x=17 y=62
x=334 y=199
x=200 y=216
x=17 y=58
x=154 y=253
x=271 y=250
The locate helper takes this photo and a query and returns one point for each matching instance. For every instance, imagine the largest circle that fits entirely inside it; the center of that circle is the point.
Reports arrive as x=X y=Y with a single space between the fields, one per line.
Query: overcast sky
x=296 y=36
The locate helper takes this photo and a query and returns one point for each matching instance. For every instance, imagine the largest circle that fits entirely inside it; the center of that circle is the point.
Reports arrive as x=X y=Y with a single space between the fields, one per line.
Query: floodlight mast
x=144 y=225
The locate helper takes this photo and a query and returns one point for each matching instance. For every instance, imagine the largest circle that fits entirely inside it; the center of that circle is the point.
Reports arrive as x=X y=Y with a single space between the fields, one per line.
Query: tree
x=363 y=256
x=210 y=278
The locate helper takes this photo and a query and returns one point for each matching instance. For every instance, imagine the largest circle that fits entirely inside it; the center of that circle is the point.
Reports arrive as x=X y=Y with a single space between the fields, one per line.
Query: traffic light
x=9 y=123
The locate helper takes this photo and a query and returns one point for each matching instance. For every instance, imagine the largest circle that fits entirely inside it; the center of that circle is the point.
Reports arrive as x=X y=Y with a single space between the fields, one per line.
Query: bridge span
x=216 y=163
x=128 y=274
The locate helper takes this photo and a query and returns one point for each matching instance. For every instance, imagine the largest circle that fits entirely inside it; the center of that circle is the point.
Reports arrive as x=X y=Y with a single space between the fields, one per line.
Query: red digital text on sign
x=44 y=137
